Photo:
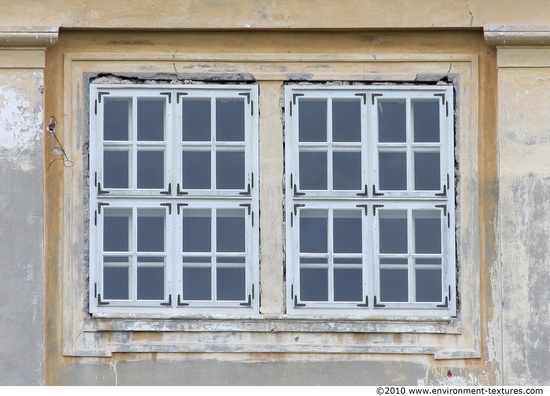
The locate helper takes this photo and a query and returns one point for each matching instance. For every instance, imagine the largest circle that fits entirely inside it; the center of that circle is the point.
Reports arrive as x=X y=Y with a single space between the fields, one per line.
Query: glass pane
x=426 y=171
x=196 y=120
x=312 y=120
x=197 y=284
x=394 y=286
x=313 y=284
x=346 y=170
x=313 y=170
x=313 y=231
x=231 y=284
x=150 y=119
x=116 y=230
x=346 y=120
x=230 y=232
x=150 y=231
x=230 y=120
x=116 y=119
x=150 y=169
x=196 y=230
x=230 y=170
x=426 y=120
x=393 y=171
x=391 y=121
x=196 y=170
x=427 y=231
x=150 y=283
x=115 y=283
x=348 y=284
x=347 y=231
x=428 y=285
x=115 y=169
x=313 y=260
x=393 y=232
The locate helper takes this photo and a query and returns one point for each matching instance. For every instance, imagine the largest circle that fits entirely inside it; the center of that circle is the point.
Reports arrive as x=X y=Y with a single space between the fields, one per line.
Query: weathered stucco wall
x=42 y=234
x=21 y=219
x=524 y=142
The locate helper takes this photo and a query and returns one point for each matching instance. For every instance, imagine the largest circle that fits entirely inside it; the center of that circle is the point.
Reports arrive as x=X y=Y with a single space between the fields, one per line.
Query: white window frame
x=370 y=197
x=172 y=198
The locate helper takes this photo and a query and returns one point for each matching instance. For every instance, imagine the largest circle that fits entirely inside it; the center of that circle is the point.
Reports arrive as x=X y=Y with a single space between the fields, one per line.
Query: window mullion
x=409 y=146
x=410 y=256
x=330 y=147
x=213 y=254
x=213 y=148
x=133 y=253
x=330 y=251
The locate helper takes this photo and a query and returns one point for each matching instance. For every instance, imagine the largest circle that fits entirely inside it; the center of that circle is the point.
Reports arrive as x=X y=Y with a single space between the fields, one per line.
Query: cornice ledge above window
x=517 y=35
x=28 y=36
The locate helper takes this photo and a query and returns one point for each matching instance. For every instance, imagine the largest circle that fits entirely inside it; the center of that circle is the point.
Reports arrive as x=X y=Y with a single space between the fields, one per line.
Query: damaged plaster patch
x=21 y=119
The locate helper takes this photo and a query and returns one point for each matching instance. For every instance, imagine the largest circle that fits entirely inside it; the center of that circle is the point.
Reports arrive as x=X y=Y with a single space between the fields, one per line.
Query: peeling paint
x=21 y=119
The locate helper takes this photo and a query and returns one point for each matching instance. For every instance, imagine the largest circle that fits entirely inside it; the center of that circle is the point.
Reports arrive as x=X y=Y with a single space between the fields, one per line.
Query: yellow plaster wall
x=273 y=14
x=241 y=50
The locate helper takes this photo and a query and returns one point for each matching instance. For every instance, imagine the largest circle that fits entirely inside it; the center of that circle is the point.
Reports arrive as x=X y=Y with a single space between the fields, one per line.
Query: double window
x=173 y=199
x=370 y=200
x=174 y=208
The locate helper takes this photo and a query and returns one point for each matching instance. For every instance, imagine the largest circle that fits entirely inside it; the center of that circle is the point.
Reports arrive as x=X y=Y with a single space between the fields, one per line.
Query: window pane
x=428 y=285
x=426 y=120
x=150 y=119
x=196 y=170
x=116 y=119
x=426 y=171
x=427 y=231
x=346 y=120
x=150 y=283
x=230 y=170
x=394 y=285
x=393 y=171
x=115 y=283
x=313 y=170
x=115 y=169
x=393 y=232
x=150 y=231
x=197 y=284
x=313 y=284
x=348 y=284
x=230 y=120
x=313 y=120
x=391 y=121
x=196 y=121
x=196 y=230
x=230 y=233
x=231 y=284
x=116 y=230
x=346 y=170
x=347 y=231
x=150 y=169
x=313 y=231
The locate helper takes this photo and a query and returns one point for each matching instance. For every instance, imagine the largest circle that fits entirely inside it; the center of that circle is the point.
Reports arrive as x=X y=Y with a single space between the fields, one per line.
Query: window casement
x=370 y=206
x=173 y=199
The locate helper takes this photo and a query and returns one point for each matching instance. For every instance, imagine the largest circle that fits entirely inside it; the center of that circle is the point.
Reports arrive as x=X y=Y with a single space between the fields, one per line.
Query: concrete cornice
x=28 y=36
x=517 y=35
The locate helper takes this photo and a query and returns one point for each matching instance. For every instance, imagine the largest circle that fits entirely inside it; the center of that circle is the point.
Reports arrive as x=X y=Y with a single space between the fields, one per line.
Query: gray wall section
x=21 y=274
x=217 y=373
x=21 y=228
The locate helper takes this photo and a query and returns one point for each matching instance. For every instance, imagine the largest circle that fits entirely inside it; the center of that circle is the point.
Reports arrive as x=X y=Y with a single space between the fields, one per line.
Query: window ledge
x=275 y=323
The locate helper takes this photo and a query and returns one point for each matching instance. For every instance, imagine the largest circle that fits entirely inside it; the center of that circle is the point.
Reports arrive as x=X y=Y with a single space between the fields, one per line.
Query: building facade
x=274 y=193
